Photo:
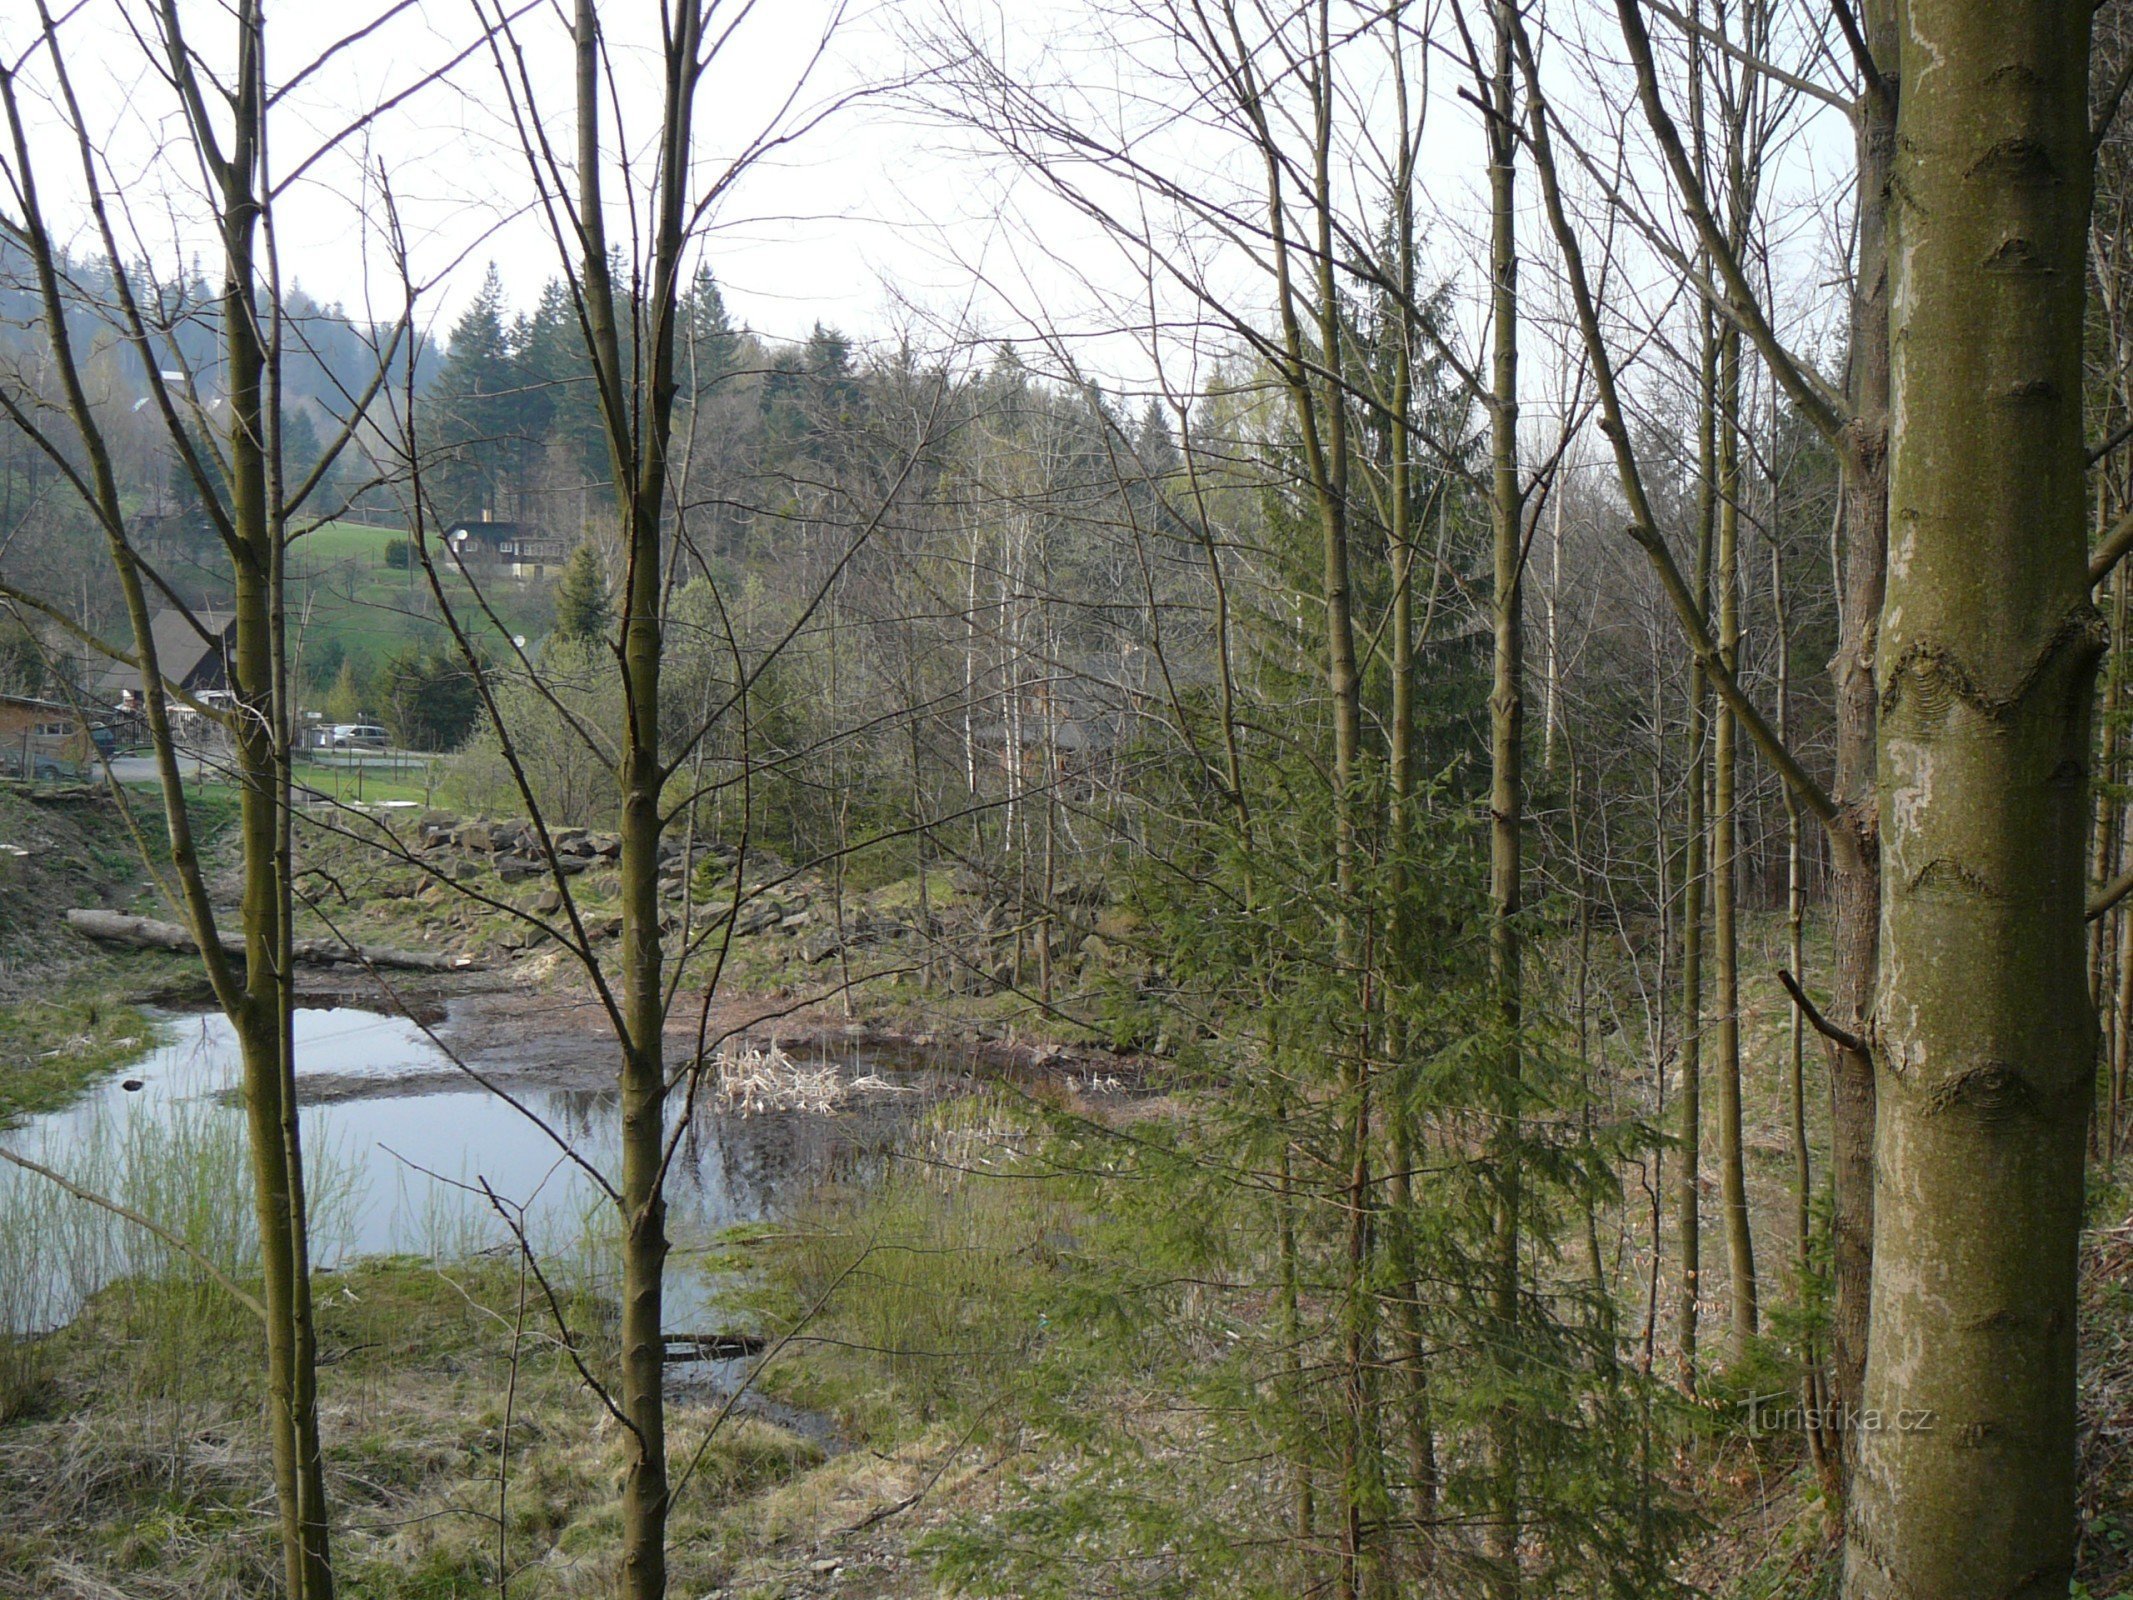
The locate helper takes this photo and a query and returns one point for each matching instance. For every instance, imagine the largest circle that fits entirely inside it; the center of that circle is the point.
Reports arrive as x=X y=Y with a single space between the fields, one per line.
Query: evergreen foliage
x=584 y=609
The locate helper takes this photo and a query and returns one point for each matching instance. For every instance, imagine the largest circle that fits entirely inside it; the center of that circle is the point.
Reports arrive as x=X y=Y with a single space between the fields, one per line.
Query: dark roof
x=492 y=532
x=181 y=651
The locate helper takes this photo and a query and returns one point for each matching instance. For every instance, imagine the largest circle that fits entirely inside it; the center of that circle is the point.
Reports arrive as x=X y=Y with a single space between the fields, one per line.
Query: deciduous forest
x=1105 y=797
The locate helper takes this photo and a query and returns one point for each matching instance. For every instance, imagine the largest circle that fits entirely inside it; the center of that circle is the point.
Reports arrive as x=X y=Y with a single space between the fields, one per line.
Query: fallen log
x=711 y=1346
x=145 y=933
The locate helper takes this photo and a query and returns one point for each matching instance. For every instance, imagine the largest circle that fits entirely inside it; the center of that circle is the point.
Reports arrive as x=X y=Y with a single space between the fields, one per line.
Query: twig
x=884 y=1513
x=2110 y=894
x=1821 y=1024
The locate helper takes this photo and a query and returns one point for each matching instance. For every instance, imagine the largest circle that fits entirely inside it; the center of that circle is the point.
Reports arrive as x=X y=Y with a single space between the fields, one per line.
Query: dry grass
x=125 y=1480
x=753 y=1080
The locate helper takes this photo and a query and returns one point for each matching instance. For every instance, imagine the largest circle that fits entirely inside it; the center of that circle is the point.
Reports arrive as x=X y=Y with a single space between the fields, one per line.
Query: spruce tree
x=480 y=420
x=583 y=607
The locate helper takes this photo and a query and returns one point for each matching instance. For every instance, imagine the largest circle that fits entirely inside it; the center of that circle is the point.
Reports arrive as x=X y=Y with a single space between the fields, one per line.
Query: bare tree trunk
x=1694 y=878
x=1413 y=1356
x=1820 y=1455
x=1725 y=865
x=636 y=401
x=1506 y=781
x=1855 y=834
x=1987 y=656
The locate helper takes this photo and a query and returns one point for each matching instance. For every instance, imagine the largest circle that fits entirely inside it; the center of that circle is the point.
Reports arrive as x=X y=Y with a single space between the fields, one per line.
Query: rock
x=517 y=869
x=476 y=836
x=549 y=899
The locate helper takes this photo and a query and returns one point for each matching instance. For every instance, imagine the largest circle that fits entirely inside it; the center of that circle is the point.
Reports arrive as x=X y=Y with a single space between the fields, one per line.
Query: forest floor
x=132 y=1463
x=947 y=967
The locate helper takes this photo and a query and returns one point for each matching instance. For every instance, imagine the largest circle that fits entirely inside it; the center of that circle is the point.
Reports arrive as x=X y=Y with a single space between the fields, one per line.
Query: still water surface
x=400 y=1172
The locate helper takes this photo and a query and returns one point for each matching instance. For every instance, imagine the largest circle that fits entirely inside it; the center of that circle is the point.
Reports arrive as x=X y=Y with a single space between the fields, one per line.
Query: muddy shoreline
x=521 y=1039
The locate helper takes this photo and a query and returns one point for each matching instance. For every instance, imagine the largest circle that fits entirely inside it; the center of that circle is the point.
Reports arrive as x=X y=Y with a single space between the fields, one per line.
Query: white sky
x=879 y=219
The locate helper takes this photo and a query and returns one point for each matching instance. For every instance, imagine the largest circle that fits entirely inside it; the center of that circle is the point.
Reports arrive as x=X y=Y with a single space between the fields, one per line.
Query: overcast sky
x=878 y=218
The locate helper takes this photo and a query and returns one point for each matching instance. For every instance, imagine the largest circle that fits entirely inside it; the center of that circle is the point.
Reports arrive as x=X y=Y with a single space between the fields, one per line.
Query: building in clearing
x=193 y=653
x=519 y=549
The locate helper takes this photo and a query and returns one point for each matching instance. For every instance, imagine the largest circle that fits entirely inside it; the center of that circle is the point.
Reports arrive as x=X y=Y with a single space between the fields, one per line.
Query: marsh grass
x=934 y=1283
x=188 y=1169
x=133 y=1453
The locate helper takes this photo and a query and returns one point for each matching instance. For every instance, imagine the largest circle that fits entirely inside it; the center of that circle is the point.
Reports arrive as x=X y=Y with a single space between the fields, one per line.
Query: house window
x=53 y=730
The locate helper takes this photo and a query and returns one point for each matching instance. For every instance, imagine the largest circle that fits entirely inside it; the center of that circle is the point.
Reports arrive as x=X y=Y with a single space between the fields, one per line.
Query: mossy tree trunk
x=1984 y=1036
x=240 y=489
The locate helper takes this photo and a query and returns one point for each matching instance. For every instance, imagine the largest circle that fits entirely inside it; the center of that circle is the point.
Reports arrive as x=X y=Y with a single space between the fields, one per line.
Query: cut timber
x=144 y=933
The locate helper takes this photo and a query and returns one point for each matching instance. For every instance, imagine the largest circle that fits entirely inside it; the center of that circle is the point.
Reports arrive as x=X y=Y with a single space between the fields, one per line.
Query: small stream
x=392 y=1170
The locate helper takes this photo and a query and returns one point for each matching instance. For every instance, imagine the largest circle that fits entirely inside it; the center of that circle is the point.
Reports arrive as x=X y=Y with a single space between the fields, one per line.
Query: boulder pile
x=514 y=848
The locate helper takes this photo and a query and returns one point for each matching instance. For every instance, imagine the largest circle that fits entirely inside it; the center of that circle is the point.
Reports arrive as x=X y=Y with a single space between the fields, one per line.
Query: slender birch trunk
x=1506 y=779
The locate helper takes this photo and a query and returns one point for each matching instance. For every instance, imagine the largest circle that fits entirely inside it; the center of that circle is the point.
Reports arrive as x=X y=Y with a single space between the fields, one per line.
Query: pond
x=394 y=1162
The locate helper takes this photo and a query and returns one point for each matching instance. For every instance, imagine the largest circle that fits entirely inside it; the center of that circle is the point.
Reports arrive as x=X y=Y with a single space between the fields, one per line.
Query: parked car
x=358 y=736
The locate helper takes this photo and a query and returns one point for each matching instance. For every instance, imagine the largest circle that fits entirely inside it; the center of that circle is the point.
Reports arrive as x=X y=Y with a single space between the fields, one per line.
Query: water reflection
x=403 y=1172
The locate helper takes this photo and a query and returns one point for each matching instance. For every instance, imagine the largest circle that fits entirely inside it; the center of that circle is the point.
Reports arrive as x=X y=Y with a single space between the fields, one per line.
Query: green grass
x=341 y=592
x=334 y=542
x=374 y=783
x=53 y=1049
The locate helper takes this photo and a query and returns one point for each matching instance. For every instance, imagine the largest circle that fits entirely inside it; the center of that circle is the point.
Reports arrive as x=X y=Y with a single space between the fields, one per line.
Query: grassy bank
x=53 y=1049
x=447 y=1399
x=69 y=1009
